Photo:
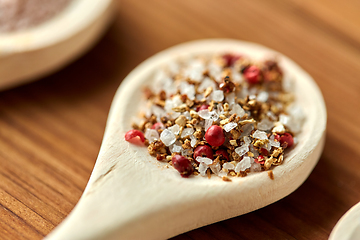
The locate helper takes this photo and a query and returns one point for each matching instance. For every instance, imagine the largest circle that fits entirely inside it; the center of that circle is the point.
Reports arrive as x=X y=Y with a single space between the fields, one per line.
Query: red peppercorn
x=264 y=151
x=223 y=153
x=286 y=140
x=131 y=134
x=260 y=159
x=202 y=107
x=203 y=151
x=157 y=126
x=230 y=59
x=183 y=165
x=252 y=74
x=215 y=136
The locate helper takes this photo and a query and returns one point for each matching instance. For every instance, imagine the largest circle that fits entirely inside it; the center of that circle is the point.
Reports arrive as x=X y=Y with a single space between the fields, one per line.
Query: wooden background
x=51 y=130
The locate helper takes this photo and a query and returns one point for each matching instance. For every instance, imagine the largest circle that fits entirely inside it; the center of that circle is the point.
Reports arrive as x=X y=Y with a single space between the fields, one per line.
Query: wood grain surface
x=51 y=130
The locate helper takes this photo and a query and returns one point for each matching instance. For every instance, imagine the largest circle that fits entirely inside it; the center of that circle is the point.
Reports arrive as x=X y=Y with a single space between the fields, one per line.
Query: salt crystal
x=253 y=150
x=208 y=123
x=217 y=95
x=265 y=124
x=214 y=116
x=195 y=71
x=152 y=135
x=167 y=137
x=229 y=126
x=220 y=109
x=247 y=140
x=207 y=82
x=186 y=152
x=215 y=70
x=193 y=141
x=236 y=76
x=244 y=164
x=175 y=129
x=271 y=115
x=215 y=168
x=274 y=143
x=202 y=169
x=230 y=98
x=228 y=166
x=260 y=135
x=284 y=119
x=242 y=150
x=205 y=114
x=238 y=110
x=255 y=167
x=176 y=147
x=187 y=89
x=222 y=173
x=186 y=132
x=262 y=96
x=279 y=128
x=252 y=97
x=157 y=111
x=187 y=115
x=204 y=160
x=246 y=129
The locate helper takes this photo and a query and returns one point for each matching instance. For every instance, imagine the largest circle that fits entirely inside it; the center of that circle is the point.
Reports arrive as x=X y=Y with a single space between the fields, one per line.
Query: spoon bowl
x=130 y=195
x=34 y=52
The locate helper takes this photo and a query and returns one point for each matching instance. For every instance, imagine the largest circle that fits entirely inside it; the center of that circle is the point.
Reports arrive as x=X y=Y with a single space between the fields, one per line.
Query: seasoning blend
x=222 y=115
x=17 y=15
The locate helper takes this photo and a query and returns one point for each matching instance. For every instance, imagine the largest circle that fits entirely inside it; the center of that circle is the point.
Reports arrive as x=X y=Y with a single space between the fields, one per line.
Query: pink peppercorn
x=131 y=134
x=215 y=136
x=230 y=59
x=183 y=165
x=203 y=151
x=252 y=74
x=202 y=107
x=223 y=153
x=260 y=159
x=157 y=126
x=286 y=140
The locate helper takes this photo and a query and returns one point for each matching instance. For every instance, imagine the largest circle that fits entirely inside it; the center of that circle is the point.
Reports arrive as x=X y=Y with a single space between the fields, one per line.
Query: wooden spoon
x=130 y=195
x=32 y=53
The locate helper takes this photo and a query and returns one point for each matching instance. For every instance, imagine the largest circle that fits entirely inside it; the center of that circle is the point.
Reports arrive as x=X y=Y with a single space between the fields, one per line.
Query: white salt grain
x=265 y=124
x=186 y=132
x=242 y=150
x=215 y=168
x=208 y=123
x=260 y=135
x=228 y=166
x=244 y=164
x=238 y=110
x=193 y=141
x=151 y=135
x=246 y=129
x=176 y=147
x=217 y=95
x=167 y=137
x=205 y=114
x=204 y=160
x=262 y=96
x=228 y=127
x=202 y=169
x=175 y=129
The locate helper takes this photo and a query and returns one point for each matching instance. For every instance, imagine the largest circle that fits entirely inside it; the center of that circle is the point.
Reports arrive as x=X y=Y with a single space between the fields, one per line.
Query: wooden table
x=51 y=130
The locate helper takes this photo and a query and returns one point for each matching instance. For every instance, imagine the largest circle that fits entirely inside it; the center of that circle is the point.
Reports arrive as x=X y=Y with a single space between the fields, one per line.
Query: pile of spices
x=222 y=115
x=18 y=15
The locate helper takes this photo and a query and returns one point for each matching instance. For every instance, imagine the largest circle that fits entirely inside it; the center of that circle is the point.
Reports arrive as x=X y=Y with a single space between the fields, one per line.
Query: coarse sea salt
x=175 y=129
x=204 y=160
x=202 y=169
x=217 y=95
x=176 y=147
x=208 y=123
x=167 y=137
x=262 y=96
x=260 y=135
x=265 y=124
x=151 y=135
x=242 y=149
x=238 y=110
x=187 y=132
x=229 y=126
x=228 y=166
x=244 y=164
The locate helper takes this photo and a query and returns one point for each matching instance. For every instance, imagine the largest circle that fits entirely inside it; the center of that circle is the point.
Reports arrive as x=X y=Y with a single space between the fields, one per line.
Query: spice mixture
x=222 y=115
x=17 y=15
